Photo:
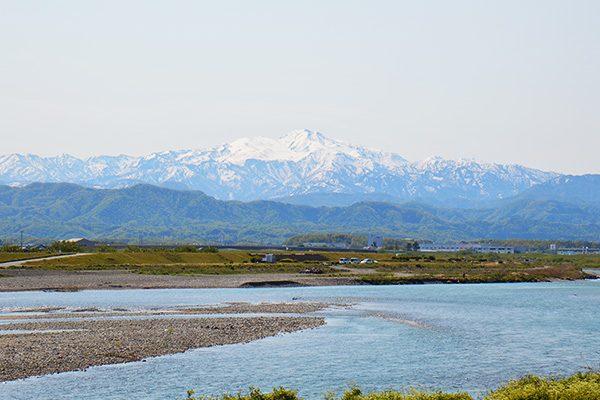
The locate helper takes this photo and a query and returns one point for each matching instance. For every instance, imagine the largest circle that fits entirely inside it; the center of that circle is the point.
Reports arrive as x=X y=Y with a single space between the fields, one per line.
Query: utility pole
x=21 y=240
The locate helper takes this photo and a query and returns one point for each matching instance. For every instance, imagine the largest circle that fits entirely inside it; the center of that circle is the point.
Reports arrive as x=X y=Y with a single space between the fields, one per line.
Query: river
x=446 y=337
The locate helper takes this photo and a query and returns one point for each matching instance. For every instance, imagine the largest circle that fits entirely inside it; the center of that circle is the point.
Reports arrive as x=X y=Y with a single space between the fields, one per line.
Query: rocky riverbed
x=228 y=308
x=44 y=347
x=19 y=279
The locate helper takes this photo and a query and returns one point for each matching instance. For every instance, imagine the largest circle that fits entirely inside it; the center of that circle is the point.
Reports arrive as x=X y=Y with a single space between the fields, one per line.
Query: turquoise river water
x=446 y=337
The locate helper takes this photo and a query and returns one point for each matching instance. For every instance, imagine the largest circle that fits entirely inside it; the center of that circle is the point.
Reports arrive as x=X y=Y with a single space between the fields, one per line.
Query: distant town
x=374 y=243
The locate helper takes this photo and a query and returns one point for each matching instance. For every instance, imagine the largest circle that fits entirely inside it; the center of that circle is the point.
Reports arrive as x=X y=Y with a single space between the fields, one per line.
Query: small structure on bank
x=268 y=258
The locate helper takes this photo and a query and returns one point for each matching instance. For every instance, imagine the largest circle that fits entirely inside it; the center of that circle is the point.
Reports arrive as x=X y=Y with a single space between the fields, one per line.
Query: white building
x=576 y=250
x=340 y=245
x=491 y=248
x=442 y=247
x=463 y=246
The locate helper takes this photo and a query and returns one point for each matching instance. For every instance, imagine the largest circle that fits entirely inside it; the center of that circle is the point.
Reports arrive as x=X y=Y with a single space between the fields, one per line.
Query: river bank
x=156 y=269
x=56 y=280
x=44 y=347
x=31 y=279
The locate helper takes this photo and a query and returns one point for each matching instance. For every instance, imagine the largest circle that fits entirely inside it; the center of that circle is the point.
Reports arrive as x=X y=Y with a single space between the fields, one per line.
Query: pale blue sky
x=498 y=81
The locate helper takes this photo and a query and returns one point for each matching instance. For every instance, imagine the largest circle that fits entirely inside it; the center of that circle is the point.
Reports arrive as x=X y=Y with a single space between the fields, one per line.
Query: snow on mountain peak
x=293 y=147
x=256 y=148
x=304 y=135
x=300 y=162
x=305 y=140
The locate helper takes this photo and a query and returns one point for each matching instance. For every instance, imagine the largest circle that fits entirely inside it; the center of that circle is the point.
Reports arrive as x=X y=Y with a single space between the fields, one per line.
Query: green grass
x=581 y=386
x=391 y=269
x=17 y=256
x=171 y=263
x=471 y=274
x=351 y=394
x=479 y=268
x=126 y=258
x=411 y=394
x=219 y=269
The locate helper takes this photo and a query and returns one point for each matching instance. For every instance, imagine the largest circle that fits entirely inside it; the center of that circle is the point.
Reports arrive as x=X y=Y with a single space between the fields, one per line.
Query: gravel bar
x=35 y=279
x=82 y=344
x=228 y=308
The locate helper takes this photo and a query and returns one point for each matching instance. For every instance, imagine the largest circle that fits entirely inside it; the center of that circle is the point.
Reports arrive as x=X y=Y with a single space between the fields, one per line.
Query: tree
x=414 y=246
x=62 y=246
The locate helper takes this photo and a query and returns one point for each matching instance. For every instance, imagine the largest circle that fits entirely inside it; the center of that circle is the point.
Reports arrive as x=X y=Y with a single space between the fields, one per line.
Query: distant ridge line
x=299 y=164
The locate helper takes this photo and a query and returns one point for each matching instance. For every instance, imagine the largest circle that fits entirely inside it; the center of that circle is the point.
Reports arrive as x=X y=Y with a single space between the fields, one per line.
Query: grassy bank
x=391 y=268
x=172 y=263
x=414 y=274
x=18 y=256
x=581 y=386
x=126 y=258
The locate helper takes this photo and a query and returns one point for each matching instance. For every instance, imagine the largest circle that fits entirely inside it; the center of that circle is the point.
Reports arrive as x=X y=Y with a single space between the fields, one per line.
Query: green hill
x=59 y=210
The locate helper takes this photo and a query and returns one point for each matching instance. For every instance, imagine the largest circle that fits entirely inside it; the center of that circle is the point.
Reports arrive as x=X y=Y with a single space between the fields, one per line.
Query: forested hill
x=56 y=211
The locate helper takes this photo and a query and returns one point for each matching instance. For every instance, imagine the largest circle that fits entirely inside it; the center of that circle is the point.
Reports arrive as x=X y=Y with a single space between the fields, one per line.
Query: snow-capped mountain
x=302 y=163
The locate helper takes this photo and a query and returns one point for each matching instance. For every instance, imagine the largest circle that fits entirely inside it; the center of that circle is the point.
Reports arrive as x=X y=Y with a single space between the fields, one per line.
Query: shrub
x=105 y=249
x=62 y=246
x=350 y=394
x=11 y=249
x=581 y=386
x=254 y=394
x=357 y=394
x=186 y=249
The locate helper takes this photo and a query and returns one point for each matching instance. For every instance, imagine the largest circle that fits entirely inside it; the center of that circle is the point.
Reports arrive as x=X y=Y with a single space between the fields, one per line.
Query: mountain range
x=264 y=190
x=59 y=211
x=303 y=167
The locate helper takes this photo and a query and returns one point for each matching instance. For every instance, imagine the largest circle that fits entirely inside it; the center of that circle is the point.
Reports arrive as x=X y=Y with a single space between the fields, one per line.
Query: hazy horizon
x=512 y=82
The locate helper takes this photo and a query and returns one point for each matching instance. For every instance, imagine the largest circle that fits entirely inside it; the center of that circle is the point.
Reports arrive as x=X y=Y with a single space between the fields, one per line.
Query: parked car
x=344 y=261
x=368 y=261
x=354 y=260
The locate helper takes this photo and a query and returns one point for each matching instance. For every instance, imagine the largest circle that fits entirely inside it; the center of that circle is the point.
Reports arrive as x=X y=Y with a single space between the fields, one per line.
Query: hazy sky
x=500 y=81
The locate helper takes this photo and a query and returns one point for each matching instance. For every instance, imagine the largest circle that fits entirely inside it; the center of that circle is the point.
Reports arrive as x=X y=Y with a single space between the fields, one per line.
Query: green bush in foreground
x=357 y=394
x=350 y=394
x=254 y=394
x=581 y=386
